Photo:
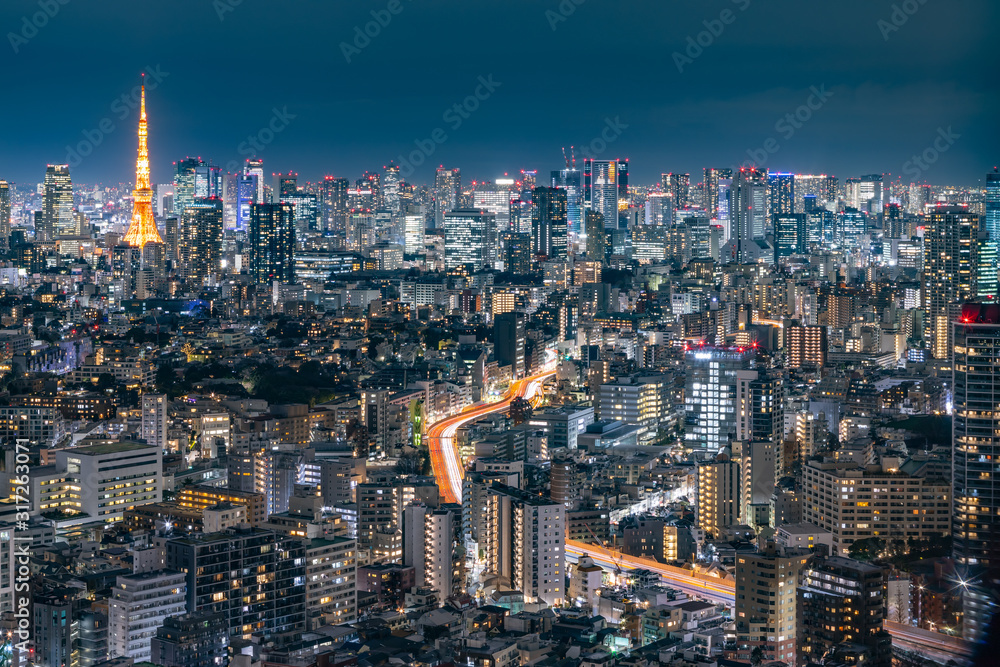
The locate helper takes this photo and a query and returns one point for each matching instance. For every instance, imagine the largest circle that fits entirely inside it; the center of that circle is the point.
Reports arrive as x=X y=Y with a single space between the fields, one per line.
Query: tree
x=866 y=550
x=757 y=655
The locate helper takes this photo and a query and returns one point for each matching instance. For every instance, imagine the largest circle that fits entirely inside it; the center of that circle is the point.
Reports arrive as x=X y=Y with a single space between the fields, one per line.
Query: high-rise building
x=642 y=400
x=390 y=188
x=605 y=188
x=711 y=395
x=711 y=184
x=524 y=543
x=508 y=342
x=678 y=188
x=976 y=447
x=718 y=494
x=154 y=420
x=569 y=179
x=4 y=214
x=495 y=197
x=439 y=552
x=207 y=182
x=138 y=606
x=597 y=237
x=414 y=230
x=821 y=187
x=447 y=193
x=246 y=196
x=271 y=243
x=200 y=240
x=548 y=223
x=284 y=186
x=748 y=213
x=992 y=201
x=841 y=600
x=765 y=610
x=256 y=578
x=806 y=346
x=950 y=266
x=184 y=183
x=866 y=193
x=57 y=202
x=781 y=193
x=333 y=205
x=469 y=238
x=791 y=235
x=517 y=256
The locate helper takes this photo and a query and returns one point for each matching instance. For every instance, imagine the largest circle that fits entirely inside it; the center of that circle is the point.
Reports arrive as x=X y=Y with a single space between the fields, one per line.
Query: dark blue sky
x=893 y=89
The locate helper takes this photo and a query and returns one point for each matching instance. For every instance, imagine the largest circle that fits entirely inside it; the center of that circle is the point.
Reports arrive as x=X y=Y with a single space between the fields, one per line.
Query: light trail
x=448 y=470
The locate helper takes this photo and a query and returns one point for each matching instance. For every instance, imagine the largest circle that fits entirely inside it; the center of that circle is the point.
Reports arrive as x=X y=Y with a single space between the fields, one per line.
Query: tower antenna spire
x=142 y=229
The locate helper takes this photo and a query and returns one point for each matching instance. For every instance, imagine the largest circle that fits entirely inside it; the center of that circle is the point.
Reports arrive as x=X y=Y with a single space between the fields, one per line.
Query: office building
x=138 y=606
x=271 y=243
x=508 y=342
x=781 y=193
x=255 y=578
x=748 y=215
x=414 y=224
x=55 y=629
x=198 y=639
x=949 y=277
x=154 y=420
x=791 y=235
x=765 y=610
x=549 y=223
x=5 y=208
x=184 y=183
x=570 y=180
x=857 y=502
x=991 y=222
x=976 y=446
x=597 y=237
x=200 y=240
x=866 y=193
x=820 y=187
x=640 y=400
x=333 y=204
x=563 y=425
x=605 y=188
x=524 y=543
x=711 y=394
x=111 y=477
x=470 y=237
x=843 y=600
x=678 y=189
x=447 y=193
x=57 y=203
x=517 y=257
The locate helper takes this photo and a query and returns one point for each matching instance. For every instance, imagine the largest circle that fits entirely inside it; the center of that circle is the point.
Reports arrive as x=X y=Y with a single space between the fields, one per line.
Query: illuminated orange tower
x=142 y=229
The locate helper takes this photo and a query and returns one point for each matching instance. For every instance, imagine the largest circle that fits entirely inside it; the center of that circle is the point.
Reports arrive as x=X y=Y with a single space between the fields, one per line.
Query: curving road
x=448 y=470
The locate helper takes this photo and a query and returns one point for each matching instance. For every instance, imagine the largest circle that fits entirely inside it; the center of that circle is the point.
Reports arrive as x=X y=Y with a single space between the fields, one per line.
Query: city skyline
x=881 y=100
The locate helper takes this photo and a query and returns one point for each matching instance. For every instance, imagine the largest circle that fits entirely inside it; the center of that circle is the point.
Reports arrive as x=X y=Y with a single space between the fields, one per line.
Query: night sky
x=896 y=86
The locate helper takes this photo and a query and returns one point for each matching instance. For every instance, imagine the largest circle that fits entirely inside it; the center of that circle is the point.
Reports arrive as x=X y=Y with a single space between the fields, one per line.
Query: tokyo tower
x=142 y=229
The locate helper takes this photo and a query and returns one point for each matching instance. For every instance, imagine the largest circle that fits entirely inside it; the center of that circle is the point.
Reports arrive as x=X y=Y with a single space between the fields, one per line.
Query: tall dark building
x=678 y=186
x=570 y=180
x=711 y=199
x=285 y=185
x=508 y=342
x=597 y=236
x=517 y=253
x=951 y=261
x=781 y=193
x=184 y=183
x=605 y=187
x=272 y=243
x=841 y=600
x=548 y=222
x=4 y=214
x=748 y=207
x=333 y=204
x=976 y=445
x=255 y=578
x=200 y=240
x=57 y=203
x=791 y=235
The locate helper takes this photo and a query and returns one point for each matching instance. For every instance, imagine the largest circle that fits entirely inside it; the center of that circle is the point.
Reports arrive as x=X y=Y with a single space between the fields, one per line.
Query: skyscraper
x=950 y=266
x=272 y=243
x=781 y=193
x=285 y=186
x=4 y=213
x=569 y=179
x=605 y=186
x=790 y=235
x=597 y=241
x=469 y=238
x=57 y=201
x=976 y=446
x=390 y=186
x=184 y=180
x=678 y=186
x=711 y=394
x=447 y=191
x=508 y=341
x=711 y=201
x=748 y=210
x=333 y=204
x=549 y=222
x=992 y=199
x=200 y=240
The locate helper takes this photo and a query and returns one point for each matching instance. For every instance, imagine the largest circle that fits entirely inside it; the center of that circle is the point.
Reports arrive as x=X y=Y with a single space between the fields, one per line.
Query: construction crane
x=618 y=565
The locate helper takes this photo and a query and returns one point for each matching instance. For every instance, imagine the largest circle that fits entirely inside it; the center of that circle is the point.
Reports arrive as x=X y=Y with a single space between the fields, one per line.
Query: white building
x=154 y=419
x=139 y=603
x=110 y=478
